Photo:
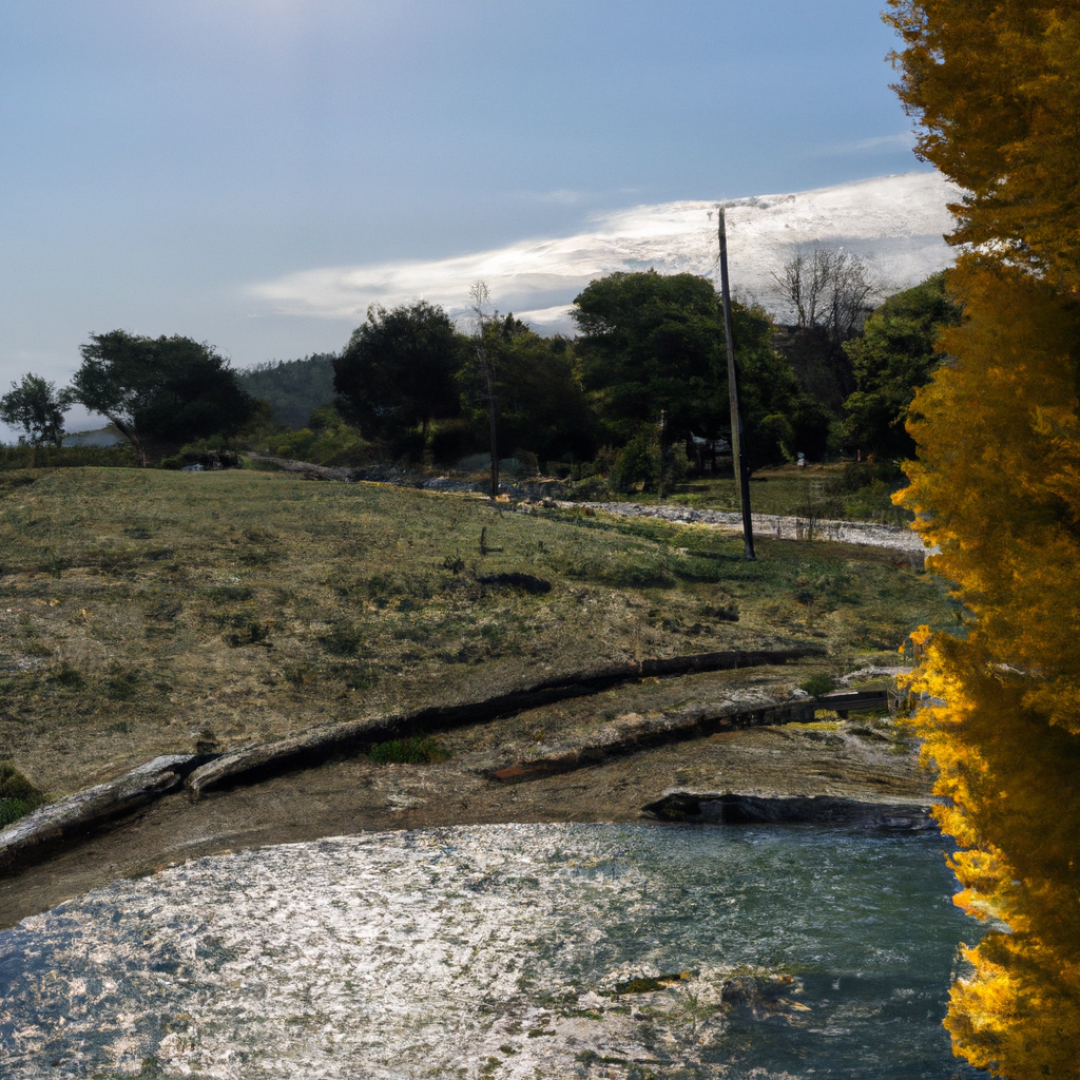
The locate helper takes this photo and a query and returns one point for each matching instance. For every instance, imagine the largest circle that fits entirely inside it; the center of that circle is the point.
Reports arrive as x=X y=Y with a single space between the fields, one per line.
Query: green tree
x=161 y=390
x=397 y=370
x=38 y=408
x=541 y=404
x=650 y=342
x=895 y=356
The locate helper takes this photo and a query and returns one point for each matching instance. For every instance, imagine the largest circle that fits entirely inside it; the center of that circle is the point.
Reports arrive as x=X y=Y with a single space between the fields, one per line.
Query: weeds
x=819 y=684
x=343 y=639
x=17 y=795
x=415 y=750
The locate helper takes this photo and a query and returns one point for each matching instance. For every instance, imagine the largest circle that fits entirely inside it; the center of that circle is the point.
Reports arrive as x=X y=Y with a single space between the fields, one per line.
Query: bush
x=332 y=443
x=819 y=685
x=415 y=750
x=17 y=795
x=637 y=466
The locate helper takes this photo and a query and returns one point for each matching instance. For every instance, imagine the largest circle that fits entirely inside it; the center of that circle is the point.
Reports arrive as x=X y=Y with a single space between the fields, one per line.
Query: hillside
x=293 y=388
x=240 y=606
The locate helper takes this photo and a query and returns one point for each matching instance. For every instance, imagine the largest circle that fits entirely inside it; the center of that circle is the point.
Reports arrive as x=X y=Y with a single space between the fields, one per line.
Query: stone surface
x=732 y=808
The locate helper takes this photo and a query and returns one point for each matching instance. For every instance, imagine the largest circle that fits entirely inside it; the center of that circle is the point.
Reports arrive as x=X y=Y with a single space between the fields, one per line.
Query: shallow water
x=497 y=951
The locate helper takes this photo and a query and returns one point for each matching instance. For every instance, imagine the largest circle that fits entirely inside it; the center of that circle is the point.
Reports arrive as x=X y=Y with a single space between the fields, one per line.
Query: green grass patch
x=415 y=750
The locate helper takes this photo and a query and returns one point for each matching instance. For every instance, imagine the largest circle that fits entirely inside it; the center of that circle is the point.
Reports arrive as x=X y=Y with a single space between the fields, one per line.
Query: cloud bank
x=895 y=223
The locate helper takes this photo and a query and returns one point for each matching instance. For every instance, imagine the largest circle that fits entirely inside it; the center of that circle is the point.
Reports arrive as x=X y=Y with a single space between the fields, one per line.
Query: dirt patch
x=862 y=759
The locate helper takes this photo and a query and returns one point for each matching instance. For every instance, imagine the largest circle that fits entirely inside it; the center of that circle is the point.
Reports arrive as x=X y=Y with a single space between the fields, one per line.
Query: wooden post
x=738 y=435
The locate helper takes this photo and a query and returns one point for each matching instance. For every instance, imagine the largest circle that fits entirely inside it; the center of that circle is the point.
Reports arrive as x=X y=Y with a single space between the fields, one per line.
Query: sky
x=170 y=167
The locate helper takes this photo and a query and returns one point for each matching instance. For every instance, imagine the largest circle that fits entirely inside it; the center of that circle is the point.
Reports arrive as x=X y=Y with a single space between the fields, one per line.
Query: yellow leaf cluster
x=995 y=85
x=1008 y=777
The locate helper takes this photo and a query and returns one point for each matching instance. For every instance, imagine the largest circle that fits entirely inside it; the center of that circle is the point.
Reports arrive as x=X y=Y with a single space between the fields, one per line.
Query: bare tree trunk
x=480 y=299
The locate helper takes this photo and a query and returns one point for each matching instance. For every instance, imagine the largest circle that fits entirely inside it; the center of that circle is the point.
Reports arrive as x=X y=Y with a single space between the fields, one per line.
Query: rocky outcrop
x=320 y=744
x=729 y=808
x=43 y=831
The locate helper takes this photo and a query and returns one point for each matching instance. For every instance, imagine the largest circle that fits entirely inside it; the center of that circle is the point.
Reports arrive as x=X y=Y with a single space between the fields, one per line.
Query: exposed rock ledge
x=42 y=832
x=729 y=808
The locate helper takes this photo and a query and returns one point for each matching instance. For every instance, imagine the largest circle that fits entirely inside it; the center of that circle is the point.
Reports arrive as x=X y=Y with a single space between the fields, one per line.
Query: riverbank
x=863 y=758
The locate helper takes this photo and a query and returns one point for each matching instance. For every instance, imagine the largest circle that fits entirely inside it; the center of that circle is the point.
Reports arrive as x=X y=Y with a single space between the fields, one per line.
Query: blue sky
x=159 y=160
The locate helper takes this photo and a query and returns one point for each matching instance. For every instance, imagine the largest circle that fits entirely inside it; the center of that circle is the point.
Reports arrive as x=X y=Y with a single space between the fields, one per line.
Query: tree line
x=411 y=386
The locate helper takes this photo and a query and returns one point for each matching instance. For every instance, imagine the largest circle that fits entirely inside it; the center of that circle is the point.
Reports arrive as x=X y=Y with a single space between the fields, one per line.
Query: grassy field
x=144 y=612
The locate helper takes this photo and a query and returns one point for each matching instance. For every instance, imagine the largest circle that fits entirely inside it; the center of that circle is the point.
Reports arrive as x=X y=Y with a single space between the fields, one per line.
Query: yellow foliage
x=995 y=85
x=1008 y=776
x=996 y=487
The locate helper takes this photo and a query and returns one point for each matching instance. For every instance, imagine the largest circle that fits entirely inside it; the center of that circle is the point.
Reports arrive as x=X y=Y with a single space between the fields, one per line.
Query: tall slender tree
x=997 y=486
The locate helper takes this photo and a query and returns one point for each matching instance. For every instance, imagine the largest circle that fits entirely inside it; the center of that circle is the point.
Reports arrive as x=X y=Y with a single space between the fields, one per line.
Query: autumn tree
x=997 y=487
x=994 y=85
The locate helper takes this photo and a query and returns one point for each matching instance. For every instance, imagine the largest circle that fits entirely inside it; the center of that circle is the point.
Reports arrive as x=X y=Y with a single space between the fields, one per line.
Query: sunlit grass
x=141 y=609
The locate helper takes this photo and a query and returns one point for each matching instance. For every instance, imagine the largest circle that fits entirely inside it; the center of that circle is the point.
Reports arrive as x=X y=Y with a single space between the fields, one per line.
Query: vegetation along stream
x=506 y=951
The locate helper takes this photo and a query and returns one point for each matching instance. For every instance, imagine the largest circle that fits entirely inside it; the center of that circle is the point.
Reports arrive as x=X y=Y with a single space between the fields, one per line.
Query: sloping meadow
x=145 y=612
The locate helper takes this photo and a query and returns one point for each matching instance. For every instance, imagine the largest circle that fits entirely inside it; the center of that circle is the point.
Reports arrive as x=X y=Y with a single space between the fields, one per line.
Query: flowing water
x=507 y=951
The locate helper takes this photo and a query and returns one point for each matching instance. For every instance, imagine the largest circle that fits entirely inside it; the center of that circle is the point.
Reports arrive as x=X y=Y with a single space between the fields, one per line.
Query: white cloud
x=562 y=197
x=894 y=222
x=905 y=140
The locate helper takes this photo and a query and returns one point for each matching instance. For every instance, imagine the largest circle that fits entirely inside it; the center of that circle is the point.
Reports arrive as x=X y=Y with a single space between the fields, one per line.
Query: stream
x=502 y=951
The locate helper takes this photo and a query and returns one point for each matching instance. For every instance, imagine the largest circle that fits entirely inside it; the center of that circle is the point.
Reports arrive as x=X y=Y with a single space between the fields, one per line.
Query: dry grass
x=144 y=611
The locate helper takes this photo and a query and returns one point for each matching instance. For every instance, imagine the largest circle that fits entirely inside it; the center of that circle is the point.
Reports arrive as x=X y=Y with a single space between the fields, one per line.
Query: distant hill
x=106 y=436
x=294 y=388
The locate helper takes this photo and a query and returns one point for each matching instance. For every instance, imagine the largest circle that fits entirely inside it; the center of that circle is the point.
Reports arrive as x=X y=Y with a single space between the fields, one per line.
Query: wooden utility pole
x=738 y=435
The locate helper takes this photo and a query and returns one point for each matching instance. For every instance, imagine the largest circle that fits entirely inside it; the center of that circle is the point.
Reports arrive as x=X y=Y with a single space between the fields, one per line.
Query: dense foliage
x=161 y=390
x=540 y=403
x=650 y=342
x=998 y=486
x=397 y=371
x=895 y=355
x=994 y=85
x=36 y=406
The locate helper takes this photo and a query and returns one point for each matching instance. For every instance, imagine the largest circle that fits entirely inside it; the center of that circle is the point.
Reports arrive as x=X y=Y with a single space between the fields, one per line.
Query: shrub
x=415 y=750
x=638 y=464
x=17 y=795
x=819 y=684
